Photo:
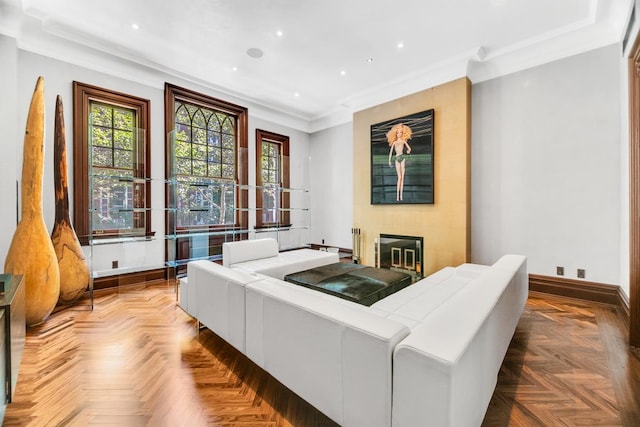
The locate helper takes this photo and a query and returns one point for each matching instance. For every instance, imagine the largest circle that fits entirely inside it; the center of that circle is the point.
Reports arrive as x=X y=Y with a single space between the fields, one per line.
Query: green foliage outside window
x=205 y=166
x=116 y=196
x=270 y=159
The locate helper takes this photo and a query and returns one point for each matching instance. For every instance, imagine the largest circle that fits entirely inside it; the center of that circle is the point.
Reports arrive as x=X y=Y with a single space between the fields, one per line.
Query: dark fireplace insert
x=400 y=253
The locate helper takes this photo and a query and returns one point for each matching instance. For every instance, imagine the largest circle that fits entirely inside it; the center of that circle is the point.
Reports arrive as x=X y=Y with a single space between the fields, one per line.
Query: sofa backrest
x=333 y=353
x=247 y=250
x=288 y=262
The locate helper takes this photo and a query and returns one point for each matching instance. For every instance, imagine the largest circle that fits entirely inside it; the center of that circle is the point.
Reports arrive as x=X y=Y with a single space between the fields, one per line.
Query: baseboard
x=624 y=304
x=340 y=250
x=129 y=278
x=580 y=289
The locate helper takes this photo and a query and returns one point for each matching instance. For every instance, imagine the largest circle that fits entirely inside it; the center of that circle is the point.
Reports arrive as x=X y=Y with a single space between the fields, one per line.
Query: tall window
x=271 y=182
x=205 y=165
x=111 y=157
x=272 y=179
x=115 y=158
x=207 y=157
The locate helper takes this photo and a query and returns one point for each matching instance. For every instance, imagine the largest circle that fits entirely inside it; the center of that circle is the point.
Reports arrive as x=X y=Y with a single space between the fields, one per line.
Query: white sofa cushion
x=333 y=353
x=413 y=305
x=247 y=250
x=288 y=262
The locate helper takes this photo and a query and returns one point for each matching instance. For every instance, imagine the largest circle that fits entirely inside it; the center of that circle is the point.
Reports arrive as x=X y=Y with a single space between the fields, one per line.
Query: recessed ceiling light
x=343 y=73
x=279 y=33
x=254 y=52
x=400 y=45
x=135 y=26
x=296 y=94
x=369 y=60
x=234 y=68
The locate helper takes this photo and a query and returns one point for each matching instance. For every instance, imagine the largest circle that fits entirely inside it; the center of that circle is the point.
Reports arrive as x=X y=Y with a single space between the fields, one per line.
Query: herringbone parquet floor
x=138 y=360
x=568 y=365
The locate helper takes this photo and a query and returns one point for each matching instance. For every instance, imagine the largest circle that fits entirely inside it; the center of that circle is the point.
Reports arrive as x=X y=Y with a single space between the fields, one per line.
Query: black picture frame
x=387 y=185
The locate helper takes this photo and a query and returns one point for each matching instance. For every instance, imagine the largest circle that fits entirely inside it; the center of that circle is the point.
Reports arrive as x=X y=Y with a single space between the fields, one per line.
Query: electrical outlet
x=114 y=264
x=560 y=271
x=581 y=273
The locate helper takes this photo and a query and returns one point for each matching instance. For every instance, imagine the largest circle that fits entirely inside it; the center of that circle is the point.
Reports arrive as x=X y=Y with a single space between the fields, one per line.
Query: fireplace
x=400 y=253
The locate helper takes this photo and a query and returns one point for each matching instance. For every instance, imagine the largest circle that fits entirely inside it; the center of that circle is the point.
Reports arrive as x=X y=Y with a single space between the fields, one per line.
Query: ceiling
x=331 y=57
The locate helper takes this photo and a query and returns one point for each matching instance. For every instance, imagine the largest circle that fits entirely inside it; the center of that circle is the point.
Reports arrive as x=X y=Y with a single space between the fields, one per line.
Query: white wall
x=58 y=76
x=546 y=157
x=11 y=142
x=331 y=174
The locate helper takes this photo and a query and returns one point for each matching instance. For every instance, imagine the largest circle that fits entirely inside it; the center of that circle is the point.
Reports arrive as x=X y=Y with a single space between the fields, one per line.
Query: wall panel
x=445 y=225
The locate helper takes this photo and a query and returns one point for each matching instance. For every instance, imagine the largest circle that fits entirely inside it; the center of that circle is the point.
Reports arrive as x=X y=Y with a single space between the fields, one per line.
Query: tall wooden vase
x=31 y=252
x=74 y=272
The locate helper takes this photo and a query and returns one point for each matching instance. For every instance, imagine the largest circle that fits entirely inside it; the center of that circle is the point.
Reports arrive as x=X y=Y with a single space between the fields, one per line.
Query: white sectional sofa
x=427 y=355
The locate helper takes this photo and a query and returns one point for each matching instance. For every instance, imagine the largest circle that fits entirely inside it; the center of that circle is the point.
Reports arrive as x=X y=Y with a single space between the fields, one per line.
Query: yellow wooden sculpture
x=31 y=252
x=74 y=272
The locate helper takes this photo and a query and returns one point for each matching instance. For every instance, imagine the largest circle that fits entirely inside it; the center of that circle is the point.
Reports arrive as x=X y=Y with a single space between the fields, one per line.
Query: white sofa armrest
x=247 y=250
x=217 y=299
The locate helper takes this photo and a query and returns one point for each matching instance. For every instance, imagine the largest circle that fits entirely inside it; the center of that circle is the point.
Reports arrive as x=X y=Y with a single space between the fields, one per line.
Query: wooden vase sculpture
x=31 y=252
x=74 y=272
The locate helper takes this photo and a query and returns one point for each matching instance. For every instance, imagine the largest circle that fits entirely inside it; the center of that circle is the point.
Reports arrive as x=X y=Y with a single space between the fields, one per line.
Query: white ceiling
x=300 y=71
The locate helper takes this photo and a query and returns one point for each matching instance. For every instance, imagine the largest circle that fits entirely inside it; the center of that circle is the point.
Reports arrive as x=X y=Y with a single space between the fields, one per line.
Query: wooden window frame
x=83 y=94
x=173 y=93
x=634 y=195
x=285 y=196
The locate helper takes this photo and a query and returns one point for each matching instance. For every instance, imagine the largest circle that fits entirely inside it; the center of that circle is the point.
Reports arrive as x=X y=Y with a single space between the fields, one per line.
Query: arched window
x=205 y=165
x=207 y=193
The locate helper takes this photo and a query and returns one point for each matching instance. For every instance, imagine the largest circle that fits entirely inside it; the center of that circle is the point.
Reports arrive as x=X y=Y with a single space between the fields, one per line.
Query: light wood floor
x=137 y=360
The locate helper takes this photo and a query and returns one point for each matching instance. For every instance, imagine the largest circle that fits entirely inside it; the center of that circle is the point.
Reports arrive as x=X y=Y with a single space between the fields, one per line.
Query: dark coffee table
x=353 y=282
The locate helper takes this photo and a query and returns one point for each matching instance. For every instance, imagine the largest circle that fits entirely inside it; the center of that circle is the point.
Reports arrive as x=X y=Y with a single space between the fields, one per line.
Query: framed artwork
x=402 y=160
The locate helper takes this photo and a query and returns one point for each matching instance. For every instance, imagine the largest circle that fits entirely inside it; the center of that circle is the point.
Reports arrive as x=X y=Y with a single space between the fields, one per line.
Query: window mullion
x=113 y=145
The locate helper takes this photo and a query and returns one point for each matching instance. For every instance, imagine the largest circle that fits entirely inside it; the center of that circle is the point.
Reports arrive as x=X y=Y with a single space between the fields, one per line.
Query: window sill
x=105 y=239
x=272 y=227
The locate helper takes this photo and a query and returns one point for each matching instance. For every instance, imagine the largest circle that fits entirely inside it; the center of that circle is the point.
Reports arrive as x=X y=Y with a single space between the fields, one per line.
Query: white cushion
x=288 y=262
x=246 y=250
x=416 y=302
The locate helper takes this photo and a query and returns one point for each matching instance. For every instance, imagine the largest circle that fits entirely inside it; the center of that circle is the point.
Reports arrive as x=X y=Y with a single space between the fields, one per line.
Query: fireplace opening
x=400 y=253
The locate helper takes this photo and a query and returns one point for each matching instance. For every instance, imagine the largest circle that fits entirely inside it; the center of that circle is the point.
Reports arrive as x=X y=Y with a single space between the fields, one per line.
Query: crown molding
x=58 y=41
x=58 y=44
